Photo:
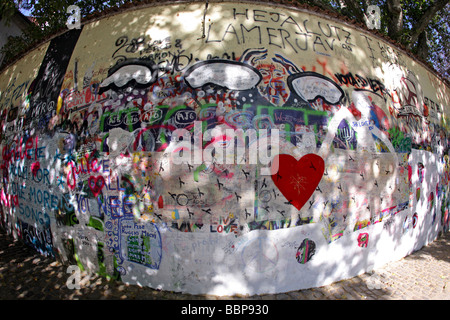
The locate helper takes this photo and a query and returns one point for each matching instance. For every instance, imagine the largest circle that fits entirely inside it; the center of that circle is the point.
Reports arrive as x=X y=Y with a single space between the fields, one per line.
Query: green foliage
x=7 y=9
x=414 y=13
x=49 y=16
x=17 y=44
x=438 y=32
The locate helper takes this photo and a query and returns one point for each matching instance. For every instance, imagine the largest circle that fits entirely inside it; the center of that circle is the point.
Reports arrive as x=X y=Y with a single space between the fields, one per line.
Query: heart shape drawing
x=297 y=180
x=96 y=184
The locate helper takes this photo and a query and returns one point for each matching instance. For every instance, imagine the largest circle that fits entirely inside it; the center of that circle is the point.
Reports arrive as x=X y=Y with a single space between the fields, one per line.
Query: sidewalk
x=423 y=275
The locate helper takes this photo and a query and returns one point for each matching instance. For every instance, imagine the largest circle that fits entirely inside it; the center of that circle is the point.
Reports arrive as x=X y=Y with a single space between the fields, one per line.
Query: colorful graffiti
x=166 y=162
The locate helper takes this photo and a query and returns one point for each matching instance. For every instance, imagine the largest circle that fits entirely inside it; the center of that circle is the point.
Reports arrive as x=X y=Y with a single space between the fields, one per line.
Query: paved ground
x=423 y=275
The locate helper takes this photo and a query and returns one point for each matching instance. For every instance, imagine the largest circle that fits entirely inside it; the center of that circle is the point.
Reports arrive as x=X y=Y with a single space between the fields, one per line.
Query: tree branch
x=422 y=23
x=320 y=4
x=395 y=19
x=422 y=46
x=355 y=10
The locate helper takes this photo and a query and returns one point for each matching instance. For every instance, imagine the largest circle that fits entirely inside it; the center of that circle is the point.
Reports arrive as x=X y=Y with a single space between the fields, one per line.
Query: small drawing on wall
x=306 y=251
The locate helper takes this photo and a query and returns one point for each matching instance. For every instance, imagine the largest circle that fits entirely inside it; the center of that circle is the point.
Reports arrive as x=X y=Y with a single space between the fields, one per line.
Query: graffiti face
x=69 y=143
x=273 y=85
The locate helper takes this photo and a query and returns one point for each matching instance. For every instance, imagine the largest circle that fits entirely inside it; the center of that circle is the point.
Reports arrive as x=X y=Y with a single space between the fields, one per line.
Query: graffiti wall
x=223 y=148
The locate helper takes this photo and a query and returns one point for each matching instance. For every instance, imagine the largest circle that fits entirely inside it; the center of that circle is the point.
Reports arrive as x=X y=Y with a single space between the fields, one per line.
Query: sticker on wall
x=140 y=243
x=306 y=251
x=297 y=180
x=39 y=239
x=346 y=137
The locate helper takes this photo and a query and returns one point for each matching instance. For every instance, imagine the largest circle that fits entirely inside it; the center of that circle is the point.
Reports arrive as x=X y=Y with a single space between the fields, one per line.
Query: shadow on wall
x=145 y=155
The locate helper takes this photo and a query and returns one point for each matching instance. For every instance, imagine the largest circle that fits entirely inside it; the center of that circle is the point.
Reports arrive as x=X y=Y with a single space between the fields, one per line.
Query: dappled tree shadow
x=104 y=165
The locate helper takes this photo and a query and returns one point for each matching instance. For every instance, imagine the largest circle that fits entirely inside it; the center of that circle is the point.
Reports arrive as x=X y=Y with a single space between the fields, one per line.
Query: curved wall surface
x=223 y=148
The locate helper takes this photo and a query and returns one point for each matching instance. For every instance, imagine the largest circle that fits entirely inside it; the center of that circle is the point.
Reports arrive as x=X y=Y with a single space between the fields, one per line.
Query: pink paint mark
x=35 y=166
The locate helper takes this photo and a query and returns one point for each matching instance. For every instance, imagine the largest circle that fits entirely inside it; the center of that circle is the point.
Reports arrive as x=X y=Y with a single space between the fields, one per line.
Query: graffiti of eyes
x=278 y=74
x=271 y=75
x=265 y=74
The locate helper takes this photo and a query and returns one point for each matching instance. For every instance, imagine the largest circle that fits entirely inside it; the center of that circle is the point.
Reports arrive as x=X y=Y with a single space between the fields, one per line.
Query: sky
x=26 y=13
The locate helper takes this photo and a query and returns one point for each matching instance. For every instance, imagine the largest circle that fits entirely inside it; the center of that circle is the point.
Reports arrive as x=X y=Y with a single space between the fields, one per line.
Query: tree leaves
x=401 y=20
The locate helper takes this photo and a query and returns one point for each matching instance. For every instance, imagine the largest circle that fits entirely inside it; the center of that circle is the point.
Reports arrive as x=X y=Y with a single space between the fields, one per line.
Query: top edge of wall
x=288 y=4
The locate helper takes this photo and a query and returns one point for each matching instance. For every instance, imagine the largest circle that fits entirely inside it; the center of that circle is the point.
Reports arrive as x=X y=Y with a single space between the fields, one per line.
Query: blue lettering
x=40 y=152
x=38 y=196
x=46 y=174
x=54 y=202
x=46 y=197
x=105 y=165
x=31 y=193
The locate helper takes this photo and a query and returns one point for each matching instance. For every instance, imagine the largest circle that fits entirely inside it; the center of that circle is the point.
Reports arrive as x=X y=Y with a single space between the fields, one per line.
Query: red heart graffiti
x=297 y=180
x=97 y=187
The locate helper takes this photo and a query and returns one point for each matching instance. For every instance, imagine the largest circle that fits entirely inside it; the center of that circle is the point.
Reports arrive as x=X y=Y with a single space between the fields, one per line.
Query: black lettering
x=347 y=38
x=290 y=20
x=376 y=85
x=367 y=40
x=305 y=40
x=232 y=32
x=337 y=33
x=318 y=42
x=277 y=14
x=329 y=29
x=284 y=39
x=370 y=48
x=256 y=16
x=240 y=14
x=332 y=44
x=352 y=79
x=306 y=28
x=207 y=37
x=361 y=81
x=270 y=37
x=250 y=30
